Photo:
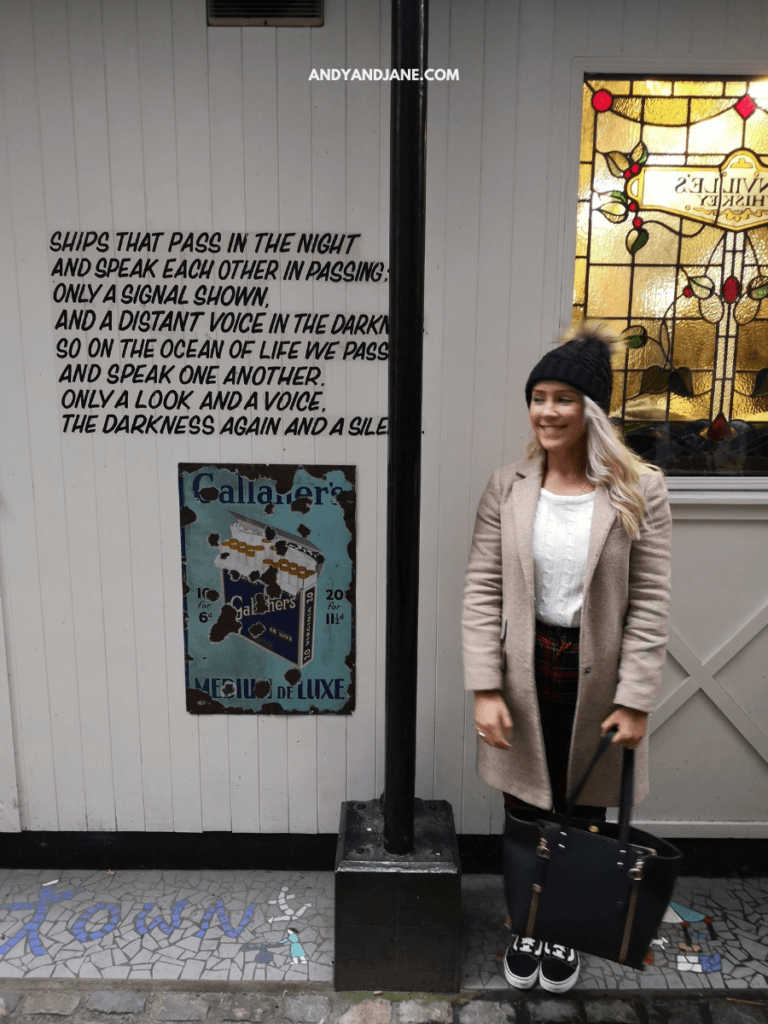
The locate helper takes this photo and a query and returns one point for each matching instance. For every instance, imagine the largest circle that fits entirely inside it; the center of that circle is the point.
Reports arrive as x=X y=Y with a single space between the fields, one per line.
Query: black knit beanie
x=584 y=362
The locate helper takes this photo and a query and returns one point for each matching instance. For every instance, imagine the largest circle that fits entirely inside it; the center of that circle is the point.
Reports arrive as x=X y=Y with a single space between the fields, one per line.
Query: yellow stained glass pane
x=744 y=406
x=720 y=134
x=628 y=107
x=698 y=249
x=587 y=124
x=698 y=89
x=651 y=354
x=608 y=292
x=752 y=348
x=696 y=408
x=665 y=140
x=652 y=88
x=756 y=132
x=643 y=406
x=615 y=133
x=704 y=110
x=653 y=291
x=579 y=280
x=617 y=87
x=735 y=88
x=694 y=344
x=662 y=245
x=582 y=229
x=608 y=241
x=585 y=181
x=758 y=242
x=666 y=111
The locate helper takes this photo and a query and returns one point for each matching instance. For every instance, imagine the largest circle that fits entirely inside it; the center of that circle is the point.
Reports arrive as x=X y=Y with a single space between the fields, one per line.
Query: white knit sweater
x=560 y=544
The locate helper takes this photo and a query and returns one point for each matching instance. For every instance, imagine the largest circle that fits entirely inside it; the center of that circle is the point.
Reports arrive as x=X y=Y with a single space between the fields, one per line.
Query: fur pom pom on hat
x=584 y=362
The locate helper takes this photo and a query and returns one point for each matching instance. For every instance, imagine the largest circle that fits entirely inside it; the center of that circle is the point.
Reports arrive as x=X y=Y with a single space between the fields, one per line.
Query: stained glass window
x=672 y=250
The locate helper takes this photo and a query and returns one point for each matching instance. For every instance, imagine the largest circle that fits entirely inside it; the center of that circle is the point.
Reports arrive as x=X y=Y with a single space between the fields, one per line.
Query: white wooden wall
x=131 y=114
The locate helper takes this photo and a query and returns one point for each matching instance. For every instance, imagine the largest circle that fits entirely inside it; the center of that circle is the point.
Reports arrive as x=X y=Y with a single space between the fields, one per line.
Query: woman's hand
x=492 y=719
x=632 y=725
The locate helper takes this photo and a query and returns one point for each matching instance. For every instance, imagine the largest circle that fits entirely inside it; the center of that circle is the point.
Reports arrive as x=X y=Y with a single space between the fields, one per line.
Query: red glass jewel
x=718 y=428
x=637 y=222
x=731 y=290
x=627 y=173
x=635 y=168
x=602 y=100
x=633 y=207
x=687 y=291
x=746 y=106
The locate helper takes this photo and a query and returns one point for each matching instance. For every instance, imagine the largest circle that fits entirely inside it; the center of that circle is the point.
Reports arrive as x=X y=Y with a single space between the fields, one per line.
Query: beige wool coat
x=622 y=641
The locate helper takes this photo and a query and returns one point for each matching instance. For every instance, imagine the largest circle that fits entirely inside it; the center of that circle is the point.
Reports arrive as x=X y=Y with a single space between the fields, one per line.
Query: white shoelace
x=526 y=945
x=561 y=952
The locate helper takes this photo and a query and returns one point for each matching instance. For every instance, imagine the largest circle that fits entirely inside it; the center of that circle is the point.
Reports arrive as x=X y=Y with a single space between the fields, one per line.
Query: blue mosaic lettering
x=144 y=929
x=78 y=928
x=219 y=909
x=31 y=931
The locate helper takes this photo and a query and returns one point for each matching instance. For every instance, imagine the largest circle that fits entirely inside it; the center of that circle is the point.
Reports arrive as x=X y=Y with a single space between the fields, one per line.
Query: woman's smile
x=557 y=415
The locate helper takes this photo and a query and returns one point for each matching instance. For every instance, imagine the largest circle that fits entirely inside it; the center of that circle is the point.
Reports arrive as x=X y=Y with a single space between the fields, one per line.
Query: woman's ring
x=481 y=734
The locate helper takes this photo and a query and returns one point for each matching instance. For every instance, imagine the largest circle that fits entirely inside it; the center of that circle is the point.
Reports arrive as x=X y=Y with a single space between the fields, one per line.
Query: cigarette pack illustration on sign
x=269 y=576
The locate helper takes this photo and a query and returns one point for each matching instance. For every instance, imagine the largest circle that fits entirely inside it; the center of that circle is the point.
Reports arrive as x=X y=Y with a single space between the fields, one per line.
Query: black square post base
x=397 y=915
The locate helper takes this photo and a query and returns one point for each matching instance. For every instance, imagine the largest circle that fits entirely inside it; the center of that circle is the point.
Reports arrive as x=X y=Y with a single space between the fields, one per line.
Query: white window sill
x=713 y=490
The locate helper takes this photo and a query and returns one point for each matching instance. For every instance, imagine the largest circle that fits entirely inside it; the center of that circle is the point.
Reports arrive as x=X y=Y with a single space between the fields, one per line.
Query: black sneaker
x=559 y=967
x=522 y=961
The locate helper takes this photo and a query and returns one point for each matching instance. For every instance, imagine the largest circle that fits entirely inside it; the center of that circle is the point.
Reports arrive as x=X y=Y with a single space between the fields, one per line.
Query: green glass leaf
x=654 y=380
x=620 y=197
x=681 y=382
x=702 y=287
x=614 y=212
x=639 y=154
x=758 y=288
x=617 y=163
x=636 y=337
x=636 y=239
x=761 y=383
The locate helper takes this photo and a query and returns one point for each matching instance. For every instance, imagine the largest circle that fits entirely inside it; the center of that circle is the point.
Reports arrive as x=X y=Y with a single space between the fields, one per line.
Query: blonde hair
x=610 y=464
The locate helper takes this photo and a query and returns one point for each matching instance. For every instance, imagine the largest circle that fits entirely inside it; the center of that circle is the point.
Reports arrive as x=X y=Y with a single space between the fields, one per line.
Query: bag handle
x=627 y=787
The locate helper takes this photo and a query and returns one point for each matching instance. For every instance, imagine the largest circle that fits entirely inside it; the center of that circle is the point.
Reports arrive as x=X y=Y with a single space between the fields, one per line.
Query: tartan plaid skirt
x=556 y=665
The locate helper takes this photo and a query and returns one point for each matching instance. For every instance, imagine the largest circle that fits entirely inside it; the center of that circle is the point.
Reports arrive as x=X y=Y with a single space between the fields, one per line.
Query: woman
x=569 y=568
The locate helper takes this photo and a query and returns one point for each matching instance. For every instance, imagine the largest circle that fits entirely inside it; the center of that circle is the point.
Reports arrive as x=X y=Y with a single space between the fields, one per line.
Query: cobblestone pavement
x=66 y=1002
x=205 y=928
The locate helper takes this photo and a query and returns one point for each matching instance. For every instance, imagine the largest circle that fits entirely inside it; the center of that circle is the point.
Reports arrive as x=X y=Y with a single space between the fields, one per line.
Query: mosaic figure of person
x=296 y=950
x=570 y=567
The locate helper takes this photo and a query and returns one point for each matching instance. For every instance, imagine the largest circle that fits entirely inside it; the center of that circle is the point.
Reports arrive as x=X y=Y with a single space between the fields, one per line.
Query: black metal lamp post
x=407 y=215
x=398 y=877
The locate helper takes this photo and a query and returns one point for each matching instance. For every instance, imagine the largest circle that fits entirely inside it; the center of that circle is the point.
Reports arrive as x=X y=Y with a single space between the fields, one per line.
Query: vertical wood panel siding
x=133 y=114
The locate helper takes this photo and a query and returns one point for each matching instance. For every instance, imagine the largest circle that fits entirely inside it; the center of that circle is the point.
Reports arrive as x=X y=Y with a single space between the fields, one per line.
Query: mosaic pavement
x=278 y=926
x=731 y=951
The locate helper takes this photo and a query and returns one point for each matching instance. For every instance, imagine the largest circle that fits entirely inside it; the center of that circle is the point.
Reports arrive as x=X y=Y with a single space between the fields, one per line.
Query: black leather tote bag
x=599 y=887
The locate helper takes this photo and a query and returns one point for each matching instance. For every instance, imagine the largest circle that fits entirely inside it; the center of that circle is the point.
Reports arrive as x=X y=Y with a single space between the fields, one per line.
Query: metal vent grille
x=265 y=12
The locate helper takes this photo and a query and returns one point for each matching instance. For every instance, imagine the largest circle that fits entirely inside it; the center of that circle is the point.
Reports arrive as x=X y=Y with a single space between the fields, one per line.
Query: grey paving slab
x=421 y=1011
x=178 y=1006
x=371 y=1011
x=614 y=1011
x=109 y=1001
x=308 y=1009
x=559 y=1009
x=8 y=1001
x=55 y=1004
x=737 y=1013
x=482 y=1012
x=673 y=1011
